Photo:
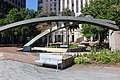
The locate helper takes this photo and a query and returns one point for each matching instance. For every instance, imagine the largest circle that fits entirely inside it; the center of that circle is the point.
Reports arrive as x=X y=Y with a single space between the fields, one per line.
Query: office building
x=17 y=3
x=57 y=6
x=7 y=5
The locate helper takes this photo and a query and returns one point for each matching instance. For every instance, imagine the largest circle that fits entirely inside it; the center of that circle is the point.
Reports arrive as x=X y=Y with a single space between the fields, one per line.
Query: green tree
x=15 y=15
x=101 y=9
x=37 y=14
x=104 y=9
x=96 y=32
x=67 y=12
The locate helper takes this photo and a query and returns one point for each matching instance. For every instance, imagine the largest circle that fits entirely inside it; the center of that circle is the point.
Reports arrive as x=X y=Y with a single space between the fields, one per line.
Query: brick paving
x=13 y=70
x=11 y=53
x=14 y=66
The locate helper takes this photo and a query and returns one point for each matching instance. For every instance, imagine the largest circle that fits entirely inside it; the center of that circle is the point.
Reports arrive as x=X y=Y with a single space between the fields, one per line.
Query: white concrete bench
x=50 y=59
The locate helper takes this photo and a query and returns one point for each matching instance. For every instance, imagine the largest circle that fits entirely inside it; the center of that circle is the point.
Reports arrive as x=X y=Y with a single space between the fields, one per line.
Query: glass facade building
x=57 y=6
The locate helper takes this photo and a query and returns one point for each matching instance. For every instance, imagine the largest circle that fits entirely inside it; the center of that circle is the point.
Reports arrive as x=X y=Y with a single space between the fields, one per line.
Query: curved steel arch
x=103 y=23
x=46 y=32
x=27 y=46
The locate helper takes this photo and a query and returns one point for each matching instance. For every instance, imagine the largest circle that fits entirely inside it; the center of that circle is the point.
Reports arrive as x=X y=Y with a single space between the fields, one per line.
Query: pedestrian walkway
x=13 y=70
x=19 y=66
x=11 y=53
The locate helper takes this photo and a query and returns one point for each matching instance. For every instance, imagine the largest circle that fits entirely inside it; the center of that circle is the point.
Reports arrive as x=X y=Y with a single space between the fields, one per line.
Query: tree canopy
x=15 y=15
x=67 y=12
x=101 y=9
x=104 y=9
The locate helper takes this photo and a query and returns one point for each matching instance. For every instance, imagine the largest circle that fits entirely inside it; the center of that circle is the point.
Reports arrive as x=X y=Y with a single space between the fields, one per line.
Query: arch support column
x=26 y=48
x=114 y=40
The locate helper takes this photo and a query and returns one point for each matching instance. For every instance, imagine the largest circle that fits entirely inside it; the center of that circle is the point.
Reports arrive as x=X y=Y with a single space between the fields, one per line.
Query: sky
x=32 y=4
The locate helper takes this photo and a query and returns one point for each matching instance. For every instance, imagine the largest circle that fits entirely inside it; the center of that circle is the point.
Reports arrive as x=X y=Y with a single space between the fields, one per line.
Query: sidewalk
x=15 y=66
x=11 y=53
x=13 y=70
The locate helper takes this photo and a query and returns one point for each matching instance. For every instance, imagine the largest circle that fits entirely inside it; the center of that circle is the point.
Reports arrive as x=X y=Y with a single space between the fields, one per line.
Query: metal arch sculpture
x=100 y=22
x=48 y=31
x=103 y=23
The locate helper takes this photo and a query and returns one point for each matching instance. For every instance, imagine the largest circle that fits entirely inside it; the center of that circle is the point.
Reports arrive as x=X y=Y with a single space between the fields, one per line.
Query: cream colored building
x=73 y=5
x=49 y=6
x=58 y=6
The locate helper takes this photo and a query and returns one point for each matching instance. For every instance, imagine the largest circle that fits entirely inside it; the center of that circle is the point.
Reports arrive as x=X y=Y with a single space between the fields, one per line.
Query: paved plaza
x=16 y=65
x=13 y=70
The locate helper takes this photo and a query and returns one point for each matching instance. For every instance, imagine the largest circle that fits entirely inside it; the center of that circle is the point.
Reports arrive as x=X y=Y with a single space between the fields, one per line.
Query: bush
x=102 y=57
x=82 y=60
x=107 y=57
x=73 y=45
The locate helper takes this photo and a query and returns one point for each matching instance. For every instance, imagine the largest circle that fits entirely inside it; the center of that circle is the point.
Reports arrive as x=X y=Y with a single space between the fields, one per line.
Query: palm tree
x=67 y=12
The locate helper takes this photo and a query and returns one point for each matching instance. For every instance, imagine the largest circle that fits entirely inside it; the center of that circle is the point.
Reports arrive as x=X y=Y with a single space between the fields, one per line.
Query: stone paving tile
x=13 y=70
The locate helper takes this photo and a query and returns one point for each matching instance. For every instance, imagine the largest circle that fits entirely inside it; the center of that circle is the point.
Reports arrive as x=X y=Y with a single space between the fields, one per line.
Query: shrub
x=102 y=57
x=107 y=57
x=73 y=45
x=82 y=60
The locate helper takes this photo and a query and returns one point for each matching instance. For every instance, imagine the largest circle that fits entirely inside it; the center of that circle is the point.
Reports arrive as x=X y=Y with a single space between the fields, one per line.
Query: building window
x=63 y=4
x=77 y=11
x=77 y=6
x=76 y=2
x=72 y=5
x=86 y=2
x=18 y=3
x=50 y=5
x=68 y=3
x=72 y=38
x=40 y=1
x=21 y=5
x=55 y=5
x=12 y=1
x=81 y=4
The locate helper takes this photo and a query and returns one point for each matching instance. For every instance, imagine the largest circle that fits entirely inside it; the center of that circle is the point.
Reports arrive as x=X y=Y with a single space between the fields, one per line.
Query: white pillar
x=48 y=6
x=70 y=4
x=57 y=7
x=110 y=37
x=75 y=6
x=65 y=3
x=61 y=5
x=85 y=39
x=53 y=37
x=64 y=36
x=91 y=38
x=83 y=3
x=79 y=6
x=47 y=39
x=70 y=36
x=53 y=6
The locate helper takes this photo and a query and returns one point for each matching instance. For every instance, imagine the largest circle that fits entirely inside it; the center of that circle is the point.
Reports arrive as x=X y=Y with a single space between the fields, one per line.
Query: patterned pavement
x=13 y=70
x=15 y=66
